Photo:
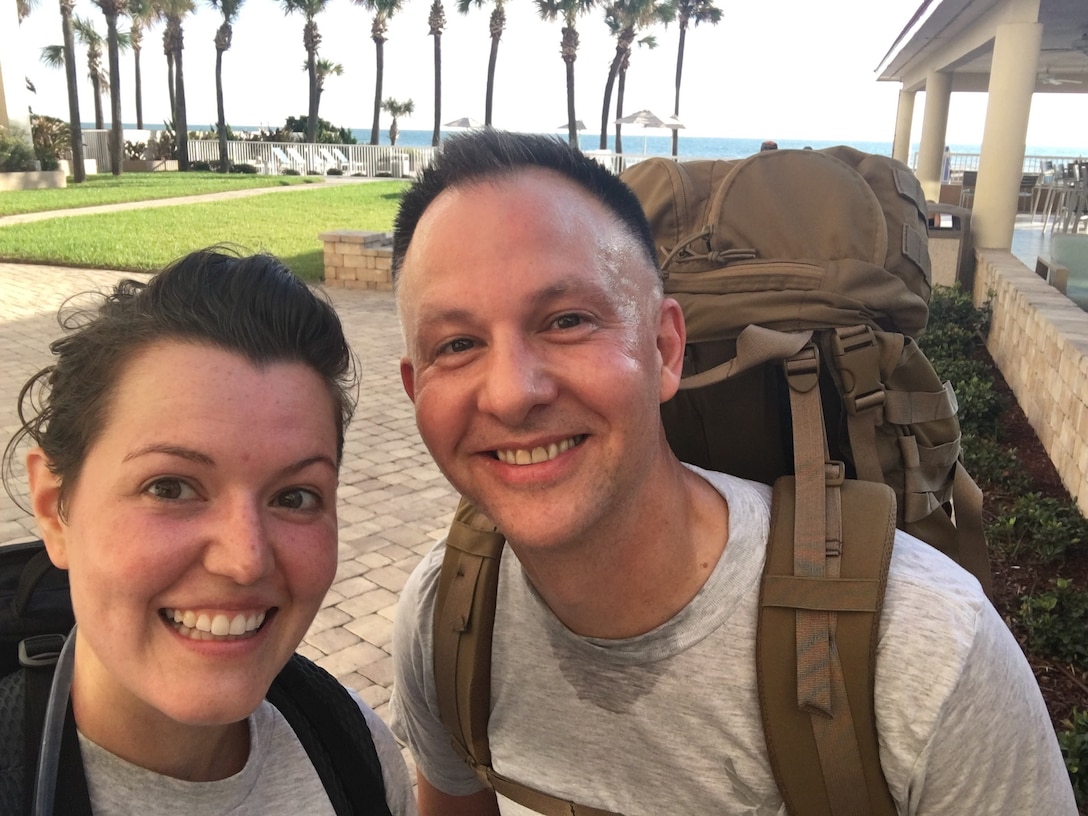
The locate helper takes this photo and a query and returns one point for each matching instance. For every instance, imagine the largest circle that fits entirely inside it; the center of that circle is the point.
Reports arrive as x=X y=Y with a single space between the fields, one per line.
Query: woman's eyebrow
x=180 y=451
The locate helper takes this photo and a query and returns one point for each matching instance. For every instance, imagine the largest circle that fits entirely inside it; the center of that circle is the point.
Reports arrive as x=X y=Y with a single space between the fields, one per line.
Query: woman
x=188 y=440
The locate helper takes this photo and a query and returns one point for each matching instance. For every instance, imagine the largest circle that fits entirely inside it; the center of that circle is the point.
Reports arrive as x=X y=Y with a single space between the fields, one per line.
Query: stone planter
x=149 y=165
x=32 y=180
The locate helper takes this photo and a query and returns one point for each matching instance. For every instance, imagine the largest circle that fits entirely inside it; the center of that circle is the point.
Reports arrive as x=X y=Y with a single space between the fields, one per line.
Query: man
x=539 y=348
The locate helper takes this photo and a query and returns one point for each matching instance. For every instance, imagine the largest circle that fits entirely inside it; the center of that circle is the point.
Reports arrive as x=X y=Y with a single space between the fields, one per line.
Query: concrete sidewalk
x=393 y=502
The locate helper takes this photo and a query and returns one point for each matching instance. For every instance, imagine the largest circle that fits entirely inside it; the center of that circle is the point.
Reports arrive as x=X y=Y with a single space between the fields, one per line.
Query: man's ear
x=671 y=337
x=408 y=378
x=45 y=503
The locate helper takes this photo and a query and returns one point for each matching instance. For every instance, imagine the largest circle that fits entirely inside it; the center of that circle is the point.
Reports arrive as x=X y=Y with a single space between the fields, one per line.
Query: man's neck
x=638 y=574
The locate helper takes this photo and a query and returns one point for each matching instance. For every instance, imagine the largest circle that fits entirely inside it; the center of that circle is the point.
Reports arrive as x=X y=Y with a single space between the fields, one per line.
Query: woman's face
x=200 y=536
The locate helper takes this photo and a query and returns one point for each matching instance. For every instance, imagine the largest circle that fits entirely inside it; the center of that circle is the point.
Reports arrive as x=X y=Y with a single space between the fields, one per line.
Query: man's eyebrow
x=575 y=285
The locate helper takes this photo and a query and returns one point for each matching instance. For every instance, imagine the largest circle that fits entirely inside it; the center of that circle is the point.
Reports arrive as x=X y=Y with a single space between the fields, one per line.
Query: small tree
x=396 y=109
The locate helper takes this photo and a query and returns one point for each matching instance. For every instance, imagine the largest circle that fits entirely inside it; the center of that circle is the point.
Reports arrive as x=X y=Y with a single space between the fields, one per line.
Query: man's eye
x=568 y=321
x=170 y=489
x=298 y=498
x=458 y=346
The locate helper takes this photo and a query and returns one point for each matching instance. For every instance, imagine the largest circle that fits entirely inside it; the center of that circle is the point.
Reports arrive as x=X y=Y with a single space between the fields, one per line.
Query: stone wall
x=32 y=180
x=358 y=260
x=1039 y=340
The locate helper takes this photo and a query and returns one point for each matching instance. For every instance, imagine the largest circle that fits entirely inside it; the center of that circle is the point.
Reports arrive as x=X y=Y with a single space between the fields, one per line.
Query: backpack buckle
x=857 y=358
x=40 y=651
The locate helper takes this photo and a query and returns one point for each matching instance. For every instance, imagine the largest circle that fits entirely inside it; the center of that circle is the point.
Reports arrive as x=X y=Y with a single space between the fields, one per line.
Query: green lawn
x=286 y=225
x=110 y=189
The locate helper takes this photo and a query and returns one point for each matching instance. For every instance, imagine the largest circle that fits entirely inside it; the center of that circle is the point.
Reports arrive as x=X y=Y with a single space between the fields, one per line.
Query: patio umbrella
x=464 y=122
x=578 y=125
x=648 y=119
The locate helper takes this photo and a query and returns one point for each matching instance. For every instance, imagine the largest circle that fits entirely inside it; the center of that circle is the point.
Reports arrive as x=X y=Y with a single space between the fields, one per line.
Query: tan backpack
x=803 y=276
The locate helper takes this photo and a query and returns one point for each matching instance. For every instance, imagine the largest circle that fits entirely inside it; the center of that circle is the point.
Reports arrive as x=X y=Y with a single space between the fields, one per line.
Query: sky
x=793 y=69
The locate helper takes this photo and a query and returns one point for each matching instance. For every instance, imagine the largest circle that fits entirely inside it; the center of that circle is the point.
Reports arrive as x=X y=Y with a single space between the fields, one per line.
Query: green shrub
x=52 y=138
x=290 y=171
x=334 y=171
x=16 y=153
x=1073 y=740
x=1040 y=525
x=247 y=169
x=980 y=404
x=993 y=465
x=953 y=314
x=1057 y=622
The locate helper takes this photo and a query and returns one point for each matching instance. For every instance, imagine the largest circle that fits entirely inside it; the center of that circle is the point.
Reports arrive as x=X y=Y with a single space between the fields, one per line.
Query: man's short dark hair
x=487 y=153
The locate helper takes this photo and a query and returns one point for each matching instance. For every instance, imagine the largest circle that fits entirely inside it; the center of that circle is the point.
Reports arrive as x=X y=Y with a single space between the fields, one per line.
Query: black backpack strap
x=334 y=732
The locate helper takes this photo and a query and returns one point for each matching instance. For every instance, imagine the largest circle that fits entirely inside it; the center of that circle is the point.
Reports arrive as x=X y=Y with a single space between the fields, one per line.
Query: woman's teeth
x=202 y=626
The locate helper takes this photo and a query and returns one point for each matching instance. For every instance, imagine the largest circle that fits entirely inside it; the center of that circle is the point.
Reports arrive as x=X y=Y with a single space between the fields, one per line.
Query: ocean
x=703 y=147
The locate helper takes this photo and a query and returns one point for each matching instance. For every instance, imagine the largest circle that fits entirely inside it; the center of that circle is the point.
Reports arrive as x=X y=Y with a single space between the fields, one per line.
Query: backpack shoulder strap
x=332 y=729
x=826 y=761
x=464 y=621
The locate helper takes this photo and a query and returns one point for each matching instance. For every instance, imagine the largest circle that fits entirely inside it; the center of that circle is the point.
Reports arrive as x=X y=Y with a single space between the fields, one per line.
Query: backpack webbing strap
x=815 y=540
x=973 y=555
x=826 y=765
x=464 y=619
x=327 y=721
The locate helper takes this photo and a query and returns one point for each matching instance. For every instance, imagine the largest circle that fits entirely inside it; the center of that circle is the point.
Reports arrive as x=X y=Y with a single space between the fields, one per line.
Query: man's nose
x=517 y=379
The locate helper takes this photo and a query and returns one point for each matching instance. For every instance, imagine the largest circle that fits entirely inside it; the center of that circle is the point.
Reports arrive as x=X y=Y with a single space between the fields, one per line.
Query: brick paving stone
x=392 y=578
x=375 y=629
x=351 y=659
x=380 y=671
x=330 y=641
x=327 y=618
x=355 y=586
x=368 y=602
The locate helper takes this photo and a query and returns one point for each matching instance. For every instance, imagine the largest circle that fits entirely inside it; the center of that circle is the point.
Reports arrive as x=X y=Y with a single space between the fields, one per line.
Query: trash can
x=951 y=256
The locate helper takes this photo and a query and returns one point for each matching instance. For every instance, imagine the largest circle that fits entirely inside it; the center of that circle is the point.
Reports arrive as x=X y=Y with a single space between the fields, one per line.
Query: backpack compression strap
x=464 y=620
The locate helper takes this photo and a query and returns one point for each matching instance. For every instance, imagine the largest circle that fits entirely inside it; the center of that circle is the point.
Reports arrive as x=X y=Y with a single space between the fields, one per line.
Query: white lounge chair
x=298 y=159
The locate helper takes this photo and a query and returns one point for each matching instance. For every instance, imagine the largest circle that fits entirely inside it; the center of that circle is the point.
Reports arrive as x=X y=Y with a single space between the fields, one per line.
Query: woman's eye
x=298 y=499
x=170 y=489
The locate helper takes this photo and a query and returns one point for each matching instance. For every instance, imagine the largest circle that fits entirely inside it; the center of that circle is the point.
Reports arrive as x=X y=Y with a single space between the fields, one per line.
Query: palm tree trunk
x=220 y=110
x=379 y=51
x=490 y=97
x=117 y=131
x=315 y=98
x=679 y=73
x=613 y=69
x=181 y=126
x=572 y=126
x=619 y=108
x=171 y=86
x=139 y=92
x=437 y=135
x=96 y=87
x=79 y=170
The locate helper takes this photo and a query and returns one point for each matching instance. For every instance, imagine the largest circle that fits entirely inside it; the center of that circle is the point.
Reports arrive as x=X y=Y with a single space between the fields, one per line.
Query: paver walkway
x=393 y=502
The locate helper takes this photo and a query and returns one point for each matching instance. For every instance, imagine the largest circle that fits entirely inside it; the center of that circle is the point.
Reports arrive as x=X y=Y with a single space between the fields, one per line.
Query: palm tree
x=173 y=43
x=496 y=25
x=141 y=13
x=568 y=48
x=100 y=83
x=229 y=9
x=395 y=109
x=79 y=172
x=324 y=68
x=437 y=22
x=311 y=39
x=111 y=10
x=624 y=18
x=24 y=7
x=383 y=10
x=621 y=83
x=695 y=11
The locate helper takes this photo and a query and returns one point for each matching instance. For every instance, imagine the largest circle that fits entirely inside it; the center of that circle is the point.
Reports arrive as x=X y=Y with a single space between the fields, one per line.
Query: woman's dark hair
x=253 y=306
x=489 y=154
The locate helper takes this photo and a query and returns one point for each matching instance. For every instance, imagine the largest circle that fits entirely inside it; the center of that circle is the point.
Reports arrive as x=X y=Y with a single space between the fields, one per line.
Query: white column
x=14 y=97
x=904 y=119
x=1001 y=163
x=934 y=125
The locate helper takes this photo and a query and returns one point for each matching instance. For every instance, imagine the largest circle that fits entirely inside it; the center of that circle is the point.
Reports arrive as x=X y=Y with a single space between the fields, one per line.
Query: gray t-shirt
x=668 y=722
x=278 y=778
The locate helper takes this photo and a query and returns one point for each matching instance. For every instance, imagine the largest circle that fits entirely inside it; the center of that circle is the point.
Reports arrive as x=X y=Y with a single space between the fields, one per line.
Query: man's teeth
x=202 y=626
x=536 y=455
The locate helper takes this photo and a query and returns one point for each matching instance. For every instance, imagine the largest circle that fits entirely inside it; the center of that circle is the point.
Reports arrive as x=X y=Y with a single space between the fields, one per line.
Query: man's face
x=539 y=350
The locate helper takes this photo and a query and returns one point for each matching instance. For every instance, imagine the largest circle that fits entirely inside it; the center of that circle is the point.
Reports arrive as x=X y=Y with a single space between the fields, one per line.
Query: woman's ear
x=45 y=503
